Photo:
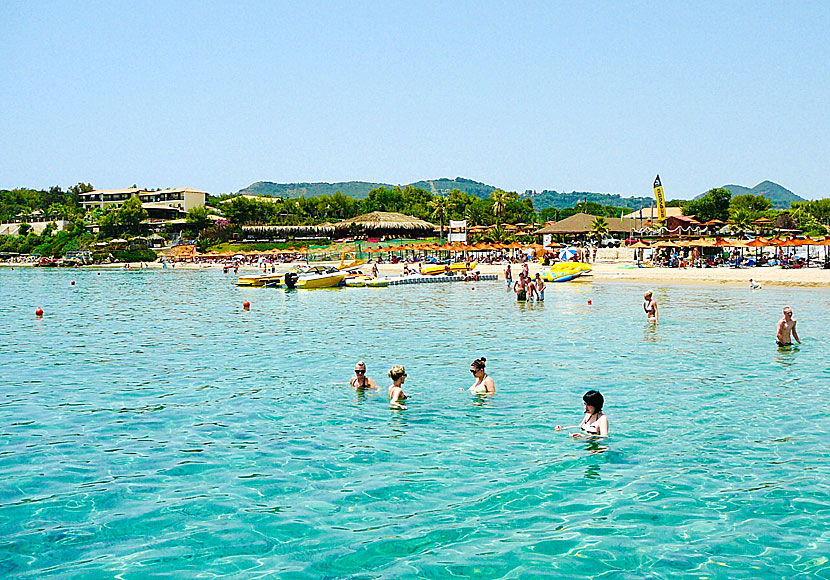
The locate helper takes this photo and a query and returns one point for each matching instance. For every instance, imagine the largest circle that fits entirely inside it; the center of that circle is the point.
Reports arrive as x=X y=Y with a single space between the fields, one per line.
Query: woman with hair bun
x=398 y=375
x=484 y=384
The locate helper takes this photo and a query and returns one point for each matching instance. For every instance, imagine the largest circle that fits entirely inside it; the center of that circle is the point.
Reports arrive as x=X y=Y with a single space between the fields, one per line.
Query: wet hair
x=595 y=399
x=478 y=364
x=360 y=363
x=397 y=372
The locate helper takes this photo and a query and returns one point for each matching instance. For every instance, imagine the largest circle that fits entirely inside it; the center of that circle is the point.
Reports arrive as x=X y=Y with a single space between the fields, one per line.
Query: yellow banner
x=661 y=201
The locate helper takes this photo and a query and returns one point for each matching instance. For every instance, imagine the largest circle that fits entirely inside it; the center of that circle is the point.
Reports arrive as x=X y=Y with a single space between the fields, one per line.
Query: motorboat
x=315 y=277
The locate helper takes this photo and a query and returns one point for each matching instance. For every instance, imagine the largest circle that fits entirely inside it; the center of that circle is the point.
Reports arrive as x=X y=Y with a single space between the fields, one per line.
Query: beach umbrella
x=758 y=242
x=567 y=254
x=639 y=244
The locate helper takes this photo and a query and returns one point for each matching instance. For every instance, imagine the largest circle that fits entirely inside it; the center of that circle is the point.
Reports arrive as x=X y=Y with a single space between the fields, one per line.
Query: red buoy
x=39 y=312
x=73 y=282
x=246 y=305
x=589 y=301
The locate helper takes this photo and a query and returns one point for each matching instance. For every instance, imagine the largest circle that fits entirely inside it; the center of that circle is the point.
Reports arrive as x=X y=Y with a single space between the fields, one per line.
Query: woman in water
x=650 y=307
x=396 y=395
x=484 y=384
x=360 y=380
x=595 y=422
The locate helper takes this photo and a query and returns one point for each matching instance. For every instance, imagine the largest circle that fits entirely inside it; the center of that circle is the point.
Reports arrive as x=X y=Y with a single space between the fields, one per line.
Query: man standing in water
x=520 y=288
x=786 y=327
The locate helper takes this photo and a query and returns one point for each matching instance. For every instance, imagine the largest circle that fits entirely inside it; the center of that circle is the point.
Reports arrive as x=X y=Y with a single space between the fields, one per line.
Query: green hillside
x=445 y=185
x=546 y=198
x=355 y=189
x=779 y=196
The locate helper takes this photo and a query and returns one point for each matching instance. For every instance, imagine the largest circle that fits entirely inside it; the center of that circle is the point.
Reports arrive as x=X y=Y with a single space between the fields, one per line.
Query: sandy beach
x=625 y=272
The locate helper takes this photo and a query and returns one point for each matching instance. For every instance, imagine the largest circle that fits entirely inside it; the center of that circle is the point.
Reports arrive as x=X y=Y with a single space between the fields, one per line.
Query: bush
x=135 y=256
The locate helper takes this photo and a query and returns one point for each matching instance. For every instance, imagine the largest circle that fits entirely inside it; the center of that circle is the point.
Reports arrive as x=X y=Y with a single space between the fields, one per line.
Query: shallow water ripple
x=149 y=427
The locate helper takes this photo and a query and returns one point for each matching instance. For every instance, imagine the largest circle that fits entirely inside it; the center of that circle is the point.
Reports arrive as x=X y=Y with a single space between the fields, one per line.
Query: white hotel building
x=169 y=200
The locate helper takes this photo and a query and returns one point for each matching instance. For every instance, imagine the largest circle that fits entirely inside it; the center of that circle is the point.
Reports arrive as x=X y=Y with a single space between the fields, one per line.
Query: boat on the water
x=315 y=277
x=565 y=271
x=456 y=268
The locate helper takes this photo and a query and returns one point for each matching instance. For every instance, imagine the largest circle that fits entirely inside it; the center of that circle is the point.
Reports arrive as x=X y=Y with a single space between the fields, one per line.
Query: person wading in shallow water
x=520 y=288
x=786 y=328
x=484 y=383
x=396 y=395
x=360 y=380
x=650 y=307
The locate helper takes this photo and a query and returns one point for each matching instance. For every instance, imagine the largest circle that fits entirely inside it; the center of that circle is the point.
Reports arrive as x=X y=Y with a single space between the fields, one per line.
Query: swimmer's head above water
x=397 y=372
x=477 y=365
x=595 y=400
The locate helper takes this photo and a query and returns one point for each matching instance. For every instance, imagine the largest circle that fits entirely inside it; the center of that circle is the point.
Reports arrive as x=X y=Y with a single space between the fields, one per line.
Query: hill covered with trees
x=780 y=197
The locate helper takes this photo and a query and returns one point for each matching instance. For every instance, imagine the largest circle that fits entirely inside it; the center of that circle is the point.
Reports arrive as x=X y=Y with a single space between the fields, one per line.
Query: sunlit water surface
x=152 y=428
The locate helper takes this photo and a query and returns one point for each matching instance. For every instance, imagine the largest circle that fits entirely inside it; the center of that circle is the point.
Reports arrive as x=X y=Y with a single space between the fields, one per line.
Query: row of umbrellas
x=735 y=243
x=481 y=247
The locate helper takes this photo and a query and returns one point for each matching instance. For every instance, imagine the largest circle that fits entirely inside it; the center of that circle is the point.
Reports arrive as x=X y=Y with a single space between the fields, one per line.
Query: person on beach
x=595 y=422
x=360 y=380
x=396 y=395
x=374 y=270
x=520 y=288
x=786 y=329
x=753 y=285
x=483 y=384
x=650 y=306
x=508 y=275
x=540 y=287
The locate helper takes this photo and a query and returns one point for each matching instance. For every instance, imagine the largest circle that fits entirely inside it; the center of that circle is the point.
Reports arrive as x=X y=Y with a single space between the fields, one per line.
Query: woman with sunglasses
x=396 y=396
x=360 y=381
x=484 y=384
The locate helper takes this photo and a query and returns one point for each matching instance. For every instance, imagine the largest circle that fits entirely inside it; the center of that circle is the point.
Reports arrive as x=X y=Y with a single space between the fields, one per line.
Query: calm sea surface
x=150 y=428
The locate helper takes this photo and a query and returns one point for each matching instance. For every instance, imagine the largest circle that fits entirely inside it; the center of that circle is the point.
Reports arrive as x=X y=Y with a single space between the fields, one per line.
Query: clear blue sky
x=566 y=96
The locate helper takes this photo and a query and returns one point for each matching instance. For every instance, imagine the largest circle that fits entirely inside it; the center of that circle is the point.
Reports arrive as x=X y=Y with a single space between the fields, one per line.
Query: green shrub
x=135 y=256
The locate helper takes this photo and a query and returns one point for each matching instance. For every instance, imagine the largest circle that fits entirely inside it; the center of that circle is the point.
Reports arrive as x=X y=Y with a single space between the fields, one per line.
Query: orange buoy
x=246 y=305
x=39 y=312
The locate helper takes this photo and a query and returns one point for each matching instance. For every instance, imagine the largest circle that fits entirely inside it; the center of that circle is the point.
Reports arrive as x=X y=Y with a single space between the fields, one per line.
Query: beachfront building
x=170 y=202
x=580 y=225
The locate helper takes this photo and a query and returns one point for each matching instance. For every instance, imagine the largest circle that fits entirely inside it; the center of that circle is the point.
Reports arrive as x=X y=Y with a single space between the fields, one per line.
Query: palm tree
x=439 y=206
x=599 y=227
x=499 y=199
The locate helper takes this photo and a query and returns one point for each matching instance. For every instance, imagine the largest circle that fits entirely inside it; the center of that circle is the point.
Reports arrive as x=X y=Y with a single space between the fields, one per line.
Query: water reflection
x=786 y=355
x=650 y=332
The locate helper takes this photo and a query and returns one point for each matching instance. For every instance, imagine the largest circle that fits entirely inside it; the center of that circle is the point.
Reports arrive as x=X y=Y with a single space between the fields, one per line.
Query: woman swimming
x=396 y=395
x=484 y=383
x=595 y=422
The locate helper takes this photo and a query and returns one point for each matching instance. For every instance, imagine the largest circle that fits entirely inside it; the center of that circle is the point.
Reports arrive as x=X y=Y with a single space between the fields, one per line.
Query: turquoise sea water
x=149 y=428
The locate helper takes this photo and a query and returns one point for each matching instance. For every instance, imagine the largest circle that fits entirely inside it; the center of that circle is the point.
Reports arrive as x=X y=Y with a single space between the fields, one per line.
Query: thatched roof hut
x=386 y=223
x=581 y=223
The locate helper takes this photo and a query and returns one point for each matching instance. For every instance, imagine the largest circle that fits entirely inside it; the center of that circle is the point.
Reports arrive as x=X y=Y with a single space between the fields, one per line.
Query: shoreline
x=624 y=272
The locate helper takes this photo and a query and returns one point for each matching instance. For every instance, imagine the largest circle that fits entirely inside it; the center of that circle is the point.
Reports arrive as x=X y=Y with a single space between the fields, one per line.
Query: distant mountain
x=779 y=196
x=546 y=198
x=361 y=189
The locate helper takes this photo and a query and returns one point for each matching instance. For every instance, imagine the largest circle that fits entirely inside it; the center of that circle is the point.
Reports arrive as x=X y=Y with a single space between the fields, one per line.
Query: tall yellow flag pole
x=661 y=201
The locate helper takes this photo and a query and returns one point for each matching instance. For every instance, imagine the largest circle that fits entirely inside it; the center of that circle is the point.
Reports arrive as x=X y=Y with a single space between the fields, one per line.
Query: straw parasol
x=385 y=221
x=791 y=243
x=758 y=242
x=639 y=244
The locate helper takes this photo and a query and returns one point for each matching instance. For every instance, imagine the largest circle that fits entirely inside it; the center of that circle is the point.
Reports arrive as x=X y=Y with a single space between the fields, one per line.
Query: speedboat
x=316 y=277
